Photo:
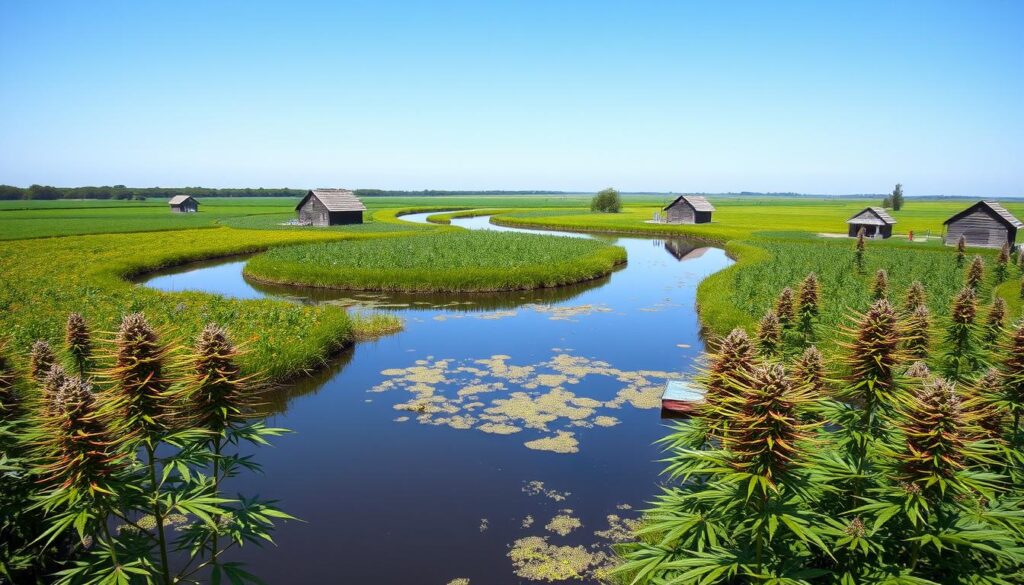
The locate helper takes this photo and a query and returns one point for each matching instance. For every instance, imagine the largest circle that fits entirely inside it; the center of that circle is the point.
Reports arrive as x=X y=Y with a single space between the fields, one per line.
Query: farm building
x=875 y=222
x=688 y=209
x=986 y=223
x=322 y=207
x=183 y=204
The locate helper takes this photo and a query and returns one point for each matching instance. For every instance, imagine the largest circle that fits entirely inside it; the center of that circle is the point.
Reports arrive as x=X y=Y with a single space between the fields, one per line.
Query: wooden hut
x=986 y=223
x=322 y=207
x=183 y=204
x=688 y=209
x=875 y=222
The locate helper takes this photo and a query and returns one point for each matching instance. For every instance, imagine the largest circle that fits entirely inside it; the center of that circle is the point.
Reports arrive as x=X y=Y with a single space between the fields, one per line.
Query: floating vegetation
x=537 y=488
x=527 y=522
x=563 y=442
x=494 y=395
x=534 y=558
x=563 y=523
x=619 y=529
x=459 y=581
x=484 y=524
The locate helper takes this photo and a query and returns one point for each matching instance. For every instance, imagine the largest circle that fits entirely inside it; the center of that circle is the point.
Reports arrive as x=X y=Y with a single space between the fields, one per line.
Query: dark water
x=405 y=502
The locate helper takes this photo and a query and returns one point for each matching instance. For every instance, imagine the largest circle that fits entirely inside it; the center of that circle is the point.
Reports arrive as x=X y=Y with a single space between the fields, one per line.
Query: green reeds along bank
x=440 y=262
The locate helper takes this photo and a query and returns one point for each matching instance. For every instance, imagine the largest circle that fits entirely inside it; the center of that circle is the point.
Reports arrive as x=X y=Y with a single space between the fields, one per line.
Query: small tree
x=606 y=201
x=897 y=197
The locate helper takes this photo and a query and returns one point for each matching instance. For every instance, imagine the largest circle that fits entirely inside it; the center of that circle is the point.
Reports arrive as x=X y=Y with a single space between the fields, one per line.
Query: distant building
x=688 y=209
x=322 y=207
x=875 y=222
x=986 y=223
x=183 y=204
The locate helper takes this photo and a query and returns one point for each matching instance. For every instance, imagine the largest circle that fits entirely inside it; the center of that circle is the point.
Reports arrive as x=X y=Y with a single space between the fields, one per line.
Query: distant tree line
x=8 y=192
x=441 y=193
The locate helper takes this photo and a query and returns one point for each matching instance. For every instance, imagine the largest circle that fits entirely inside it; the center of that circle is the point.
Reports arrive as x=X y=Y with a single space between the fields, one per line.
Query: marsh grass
x=447 y=261
x=283 y=339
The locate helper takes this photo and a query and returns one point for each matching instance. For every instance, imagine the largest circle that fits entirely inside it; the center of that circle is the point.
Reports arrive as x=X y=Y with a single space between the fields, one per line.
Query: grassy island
x=441 y=262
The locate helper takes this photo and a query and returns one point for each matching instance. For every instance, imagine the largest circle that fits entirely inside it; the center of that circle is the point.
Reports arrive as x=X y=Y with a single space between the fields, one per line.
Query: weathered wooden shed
x=183 y=204
x=875 y=222
x=986 y=223
x=688 y=209
x=322 y=207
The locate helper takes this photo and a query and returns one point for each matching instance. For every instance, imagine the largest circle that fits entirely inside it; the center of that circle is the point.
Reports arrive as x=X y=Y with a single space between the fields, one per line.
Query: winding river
x=489 y=421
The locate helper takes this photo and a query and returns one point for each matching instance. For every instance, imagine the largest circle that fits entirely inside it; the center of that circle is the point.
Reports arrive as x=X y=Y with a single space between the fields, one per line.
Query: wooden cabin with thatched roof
x=875 y=221
x=323 y=207
x=986 y=223
x=183 y=204
x=688 y=209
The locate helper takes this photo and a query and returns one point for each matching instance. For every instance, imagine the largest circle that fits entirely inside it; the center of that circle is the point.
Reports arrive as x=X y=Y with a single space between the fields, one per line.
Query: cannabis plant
x=880 y=287
x=915 y=298
x=975 y=274
x=769 y=335
x=77 y=341
x=1002 y=263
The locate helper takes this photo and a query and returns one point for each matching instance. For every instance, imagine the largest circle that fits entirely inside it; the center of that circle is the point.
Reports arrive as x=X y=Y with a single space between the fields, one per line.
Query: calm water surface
x=390 y=493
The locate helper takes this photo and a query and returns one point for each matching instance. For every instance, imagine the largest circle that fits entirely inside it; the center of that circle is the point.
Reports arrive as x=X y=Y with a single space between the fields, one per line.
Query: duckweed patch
x=496 y=396
x=564 y=523
x=562 y=442
x=534 y=558
x=619 y=529
x=537 y=488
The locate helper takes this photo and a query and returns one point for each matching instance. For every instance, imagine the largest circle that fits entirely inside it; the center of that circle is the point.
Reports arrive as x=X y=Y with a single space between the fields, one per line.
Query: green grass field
x=775 y=244
x=440 y=262
x=45 y=279
x=773 y=240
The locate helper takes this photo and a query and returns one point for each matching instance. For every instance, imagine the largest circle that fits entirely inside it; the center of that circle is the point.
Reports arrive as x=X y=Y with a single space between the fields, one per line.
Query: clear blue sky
x=683 y=96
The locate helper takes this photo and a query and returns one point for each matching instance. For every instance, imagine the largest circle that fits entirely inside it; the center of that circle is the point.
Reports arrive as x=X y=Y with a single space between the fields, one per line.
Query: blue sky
x=821 y=97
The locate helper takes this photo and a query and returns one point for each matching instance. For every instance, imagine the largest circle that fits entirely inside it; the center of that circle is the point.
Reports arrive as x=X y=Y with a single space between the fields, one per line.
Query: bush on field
x=606 y=201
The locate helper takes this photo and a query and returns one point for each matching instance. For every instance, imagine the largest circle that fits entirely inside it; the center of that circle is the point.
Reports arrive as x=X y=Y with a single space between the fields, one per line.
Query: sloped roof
x=881 y=217
x=1000 y=211
x=179 y=199
x=993 y=206
x=697 y=202
x=335 y=200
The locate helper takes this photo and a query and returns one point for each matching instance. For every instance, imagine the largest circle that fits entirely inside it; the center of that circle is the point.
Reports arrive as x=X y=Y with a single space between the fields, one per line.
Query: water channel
x=424 y=456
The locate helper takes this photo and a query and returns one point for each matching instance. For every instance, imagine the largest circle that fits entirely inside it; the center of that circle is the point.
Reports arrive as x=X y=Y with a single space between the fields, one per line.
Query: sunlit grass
x=448 y=261
x=44 y=280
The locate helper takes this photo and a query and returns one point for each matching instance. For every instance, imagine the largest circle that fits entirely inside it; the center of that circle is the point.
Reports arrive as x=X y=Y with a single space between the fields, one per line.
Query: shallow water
x=388 y=465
